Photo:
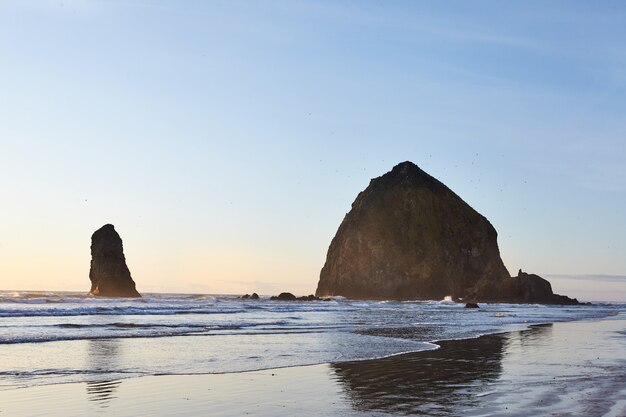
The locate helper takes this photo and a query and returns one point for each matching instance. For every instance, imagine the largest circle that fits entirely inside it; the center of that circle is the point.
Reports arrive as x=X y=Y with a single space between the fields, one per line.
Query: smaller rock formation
x=287 y=296
x=254 y=296
x=471 y=305
x=109 y=274
x=284 y=296
x=309 y=297
x=525 y=288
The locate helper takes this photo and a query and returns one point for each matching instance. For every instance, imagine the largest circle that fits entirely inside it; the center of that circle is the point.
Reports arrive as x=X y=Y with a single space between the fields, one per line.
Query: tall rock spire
x=109 y=274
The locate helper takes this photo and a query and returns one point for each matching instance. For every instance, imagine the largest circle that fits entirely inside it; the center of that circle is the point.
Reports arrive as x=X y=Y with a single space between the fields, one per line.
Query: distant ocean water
x=53 y=337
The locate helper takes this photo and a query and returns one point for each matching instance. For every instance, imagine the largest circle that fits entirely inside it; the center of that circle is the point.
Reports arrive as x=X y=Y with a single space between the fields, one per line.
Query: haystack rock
x=409 y=237
x=109 y=274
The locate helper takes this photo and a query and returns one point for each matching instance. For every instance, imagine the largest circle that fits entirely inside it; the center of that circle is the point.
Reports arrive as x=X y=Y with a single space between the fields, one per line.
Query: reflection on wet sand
x=102 y=358
x=102 y=392
x=435 y=382
x=537 y=335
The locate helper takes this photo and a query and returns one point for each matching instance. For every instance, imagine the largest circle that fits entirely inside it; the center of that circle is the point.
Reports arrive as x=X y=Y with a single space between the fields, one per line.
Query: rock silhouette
x=109 y=274
x=284 y=296
x=525 y=288
x=254 y=296
x=287 y=296
x=409 y=237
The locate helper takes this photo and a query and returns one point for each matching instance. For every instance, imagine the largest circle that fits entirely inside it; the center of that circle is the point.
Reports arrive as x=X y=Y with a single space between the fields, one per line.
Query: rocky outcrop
x=409 y=237
x=287 y=296
x=254 y=296
x=309 y=297
x=284 y=296
x=109 y=274
x=525 y=288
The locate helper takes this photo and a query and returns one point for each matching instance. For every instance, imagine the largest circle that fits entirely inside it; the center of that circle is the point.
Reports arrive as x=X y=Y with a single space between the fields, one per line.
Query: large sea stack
x=109 y=274
x=409 y=237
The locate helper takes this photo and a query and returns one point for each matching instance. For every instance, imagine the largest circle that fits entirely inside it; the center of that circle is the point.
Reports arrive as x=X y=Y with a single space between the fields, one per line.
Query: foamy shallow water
x=49 y=338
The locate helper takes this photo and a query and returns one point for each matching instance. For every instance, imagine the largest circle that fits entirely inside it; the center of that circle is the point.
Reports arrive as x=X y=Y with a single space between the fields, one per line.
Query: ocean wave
x=33 y=332
x=75 y=316
x=112 y=311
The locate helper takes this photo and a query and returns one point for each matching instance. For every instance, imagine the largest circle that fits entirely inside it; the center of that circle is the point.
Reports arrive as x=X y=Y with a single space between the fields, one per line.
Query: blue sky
x=226 y=140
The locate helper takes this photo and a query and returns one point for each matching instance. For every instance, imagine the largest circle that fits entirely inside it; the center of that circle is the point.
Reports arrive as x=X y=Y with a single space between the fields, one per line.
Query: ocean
x=59 y=337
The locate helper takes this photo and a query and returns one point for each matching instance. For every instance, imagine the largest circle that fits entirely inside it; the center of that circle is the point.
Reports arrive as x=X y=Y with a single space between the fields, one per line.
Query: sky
x=226 y=140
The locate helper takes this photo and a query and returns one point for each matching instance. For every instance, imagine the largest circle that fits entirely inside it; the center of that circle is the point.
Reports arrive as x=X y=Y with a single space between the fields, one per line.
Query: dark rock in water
x=409 y=237
x=254 y=296
x=471 y=305
x=284 y=296
x=109 y=274
x=287 y=296
x=309 y=297
x=525 y=288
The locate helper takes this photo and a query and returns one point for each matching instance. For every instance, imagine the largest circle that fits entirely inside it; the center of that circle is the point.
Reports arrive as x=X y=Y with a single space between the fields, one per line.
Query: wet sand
x=563 y=369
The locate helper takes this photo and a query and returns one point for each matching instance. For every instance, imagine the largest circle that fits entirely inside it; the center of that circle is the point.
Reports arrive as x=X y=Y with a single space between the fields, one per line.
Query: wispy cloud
x=591 y=277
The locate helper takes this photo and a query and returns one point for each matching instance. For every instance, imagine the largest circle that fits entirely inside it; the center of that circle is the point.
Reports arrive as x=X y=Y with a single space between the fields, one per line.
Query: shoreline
x=435 y=343
x=484 y=375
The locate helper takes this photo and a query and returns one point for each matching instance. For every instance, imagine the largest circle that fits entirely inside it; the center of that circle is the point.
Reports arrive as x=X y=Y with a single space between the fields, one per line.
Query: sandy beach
x=560 y=369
